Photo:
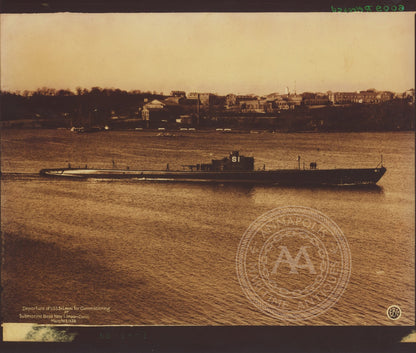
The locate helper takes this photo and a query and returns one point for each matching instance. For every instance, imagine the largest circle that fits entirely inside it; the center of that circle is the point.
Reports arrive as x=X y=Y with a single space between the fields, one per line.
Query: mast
x=197 y=110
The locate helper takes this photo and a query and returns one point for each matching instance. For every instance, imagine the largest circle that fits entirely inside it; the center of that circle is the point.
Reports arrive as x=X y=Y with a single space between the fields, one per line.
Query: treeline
x=96 y=103
x=394 y=115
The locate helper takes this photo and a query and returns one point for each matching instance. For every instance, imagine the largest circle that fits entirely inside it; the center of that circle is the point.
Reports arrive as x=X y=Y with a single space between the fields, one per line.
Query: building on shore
x=409 y=95
x=154 y=112
x=370 y=96
x=230 y=101
x=178 y=94
x=154 y=104
x=293 y=100
x=251 y=106
x=315 y=99
x=204 y=98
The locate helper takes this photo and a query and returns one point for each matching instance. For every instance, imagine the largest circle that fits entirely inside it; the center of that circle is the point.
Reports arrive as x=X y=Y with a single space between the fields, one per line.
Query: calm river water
x=147 y=253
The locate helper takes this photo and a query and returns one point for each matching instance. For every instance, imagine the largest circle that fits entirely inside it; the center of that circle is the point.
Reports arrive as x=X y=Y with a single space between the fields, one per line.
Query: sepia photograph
x=207 y=169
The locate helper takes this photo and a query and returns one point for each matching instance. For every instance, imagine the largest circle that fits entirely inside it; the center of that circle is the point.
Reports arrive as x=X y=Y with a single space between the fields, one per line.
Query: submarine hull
x=273 y=177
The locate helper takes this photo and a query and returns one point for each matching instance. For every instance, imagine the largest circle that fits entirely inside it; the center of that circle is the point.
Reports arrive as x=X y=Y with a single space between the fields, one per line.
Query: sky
x=221 y=53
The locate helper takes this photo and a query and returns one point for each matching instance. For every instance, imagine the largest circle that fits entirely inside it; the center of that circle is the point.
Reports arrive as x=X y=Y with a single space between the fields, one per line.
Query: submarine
x=236 y=169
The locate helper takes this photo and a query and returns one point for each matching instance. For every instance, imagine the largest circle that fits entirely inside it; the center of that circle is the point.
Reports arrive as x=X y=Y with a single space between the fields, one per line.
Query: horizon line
x=160 y=92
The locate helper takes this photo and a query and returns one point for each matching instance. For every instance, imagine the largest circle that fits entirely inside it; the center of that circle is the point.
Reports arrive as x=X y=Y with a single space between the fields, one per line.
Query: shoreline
x=211 y=130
